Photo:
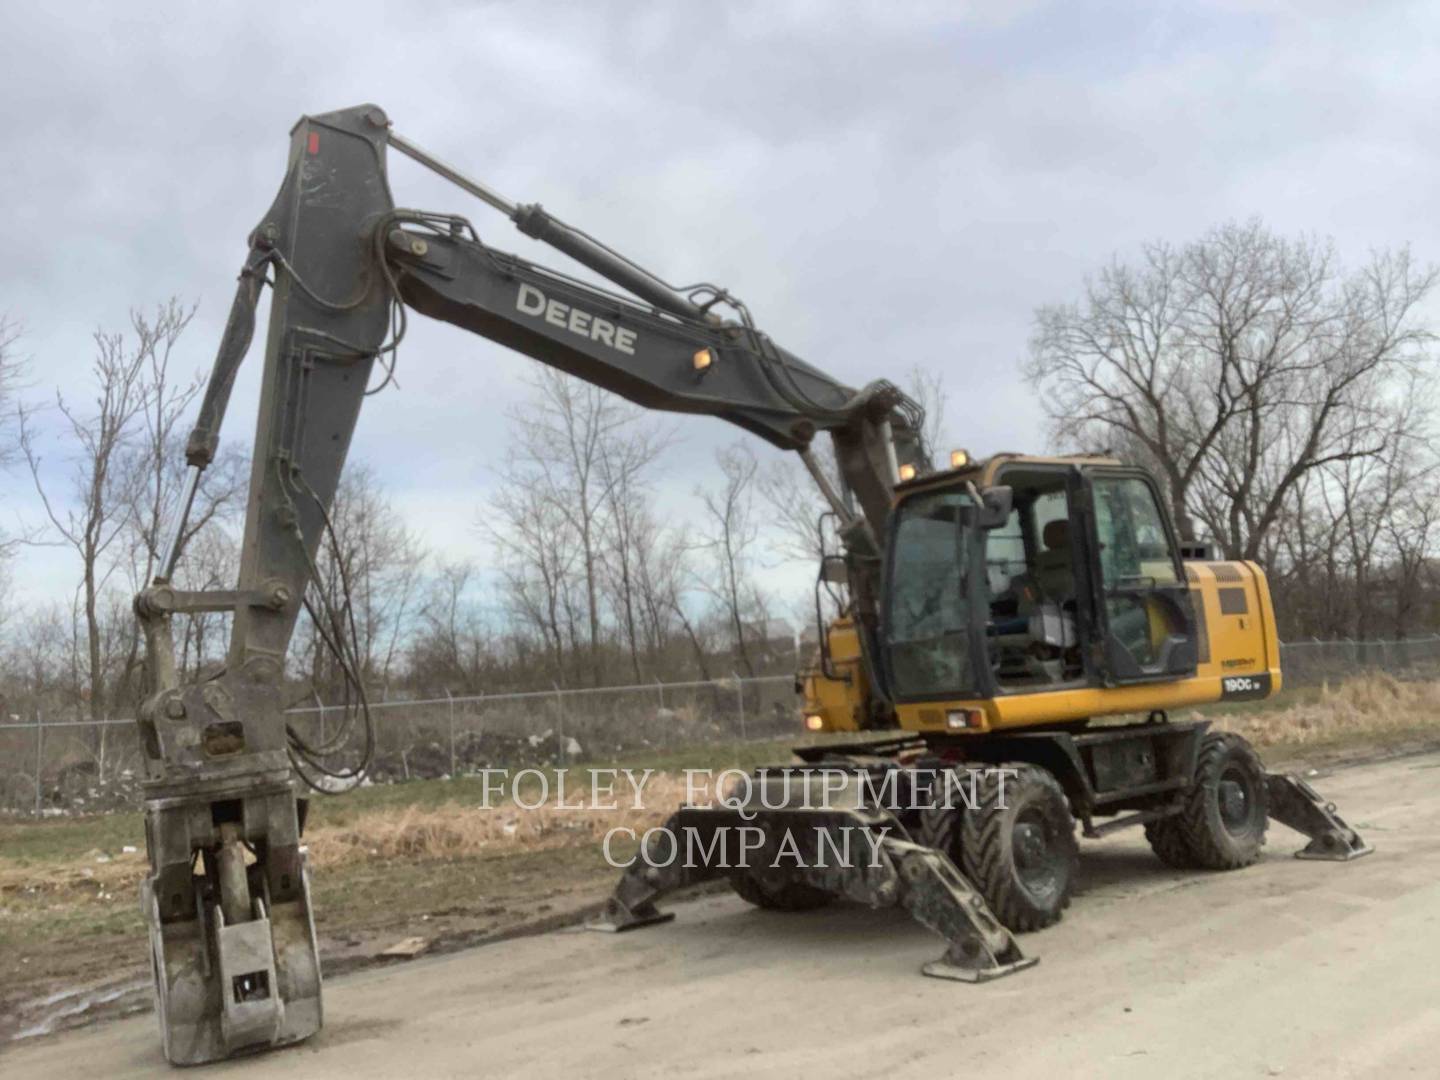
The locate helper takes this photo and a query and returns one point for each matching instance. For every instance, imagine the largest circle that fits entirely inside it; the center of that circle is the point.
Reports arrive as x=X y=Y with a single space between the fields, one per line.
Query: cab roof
x=983 y=473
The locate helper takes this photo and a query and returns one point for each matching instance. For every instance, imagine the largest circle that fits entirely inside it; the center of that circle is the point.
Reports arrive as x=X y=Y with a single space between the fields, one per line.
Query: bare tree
x=379 y=559
x=12 y=372
x=561 y=434
x=102 y=493
x=1412 y=532
x=625 y=458
x=212 y=561
x=158 y=452
x=797 y=509
x=799 y=513
x=1237 y=364
x=581 y=452
x=730 y=535
x=452 y=647
x=538 y=554
x=156 y=458
x=927 y=387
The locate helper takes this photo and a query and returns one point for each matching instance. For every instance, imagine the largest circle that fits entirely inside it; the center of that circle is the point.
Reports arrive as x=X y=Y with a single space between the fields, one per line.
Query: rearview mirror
x=995 y=505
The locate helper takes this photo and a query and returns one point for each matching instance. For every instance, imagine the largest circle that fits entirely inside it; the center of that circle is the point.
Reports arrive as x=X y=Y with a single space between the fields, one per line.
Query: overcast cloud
x=884 y=183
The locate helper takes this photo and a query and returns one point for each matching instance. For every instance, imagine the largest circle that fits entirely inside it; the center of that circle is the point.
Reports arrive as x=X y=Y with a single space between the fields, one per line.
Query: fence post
x=324 y=739
x=740 y=703
x=660 y=690
x=559 y=724
x=39 y=755
x=450 y=707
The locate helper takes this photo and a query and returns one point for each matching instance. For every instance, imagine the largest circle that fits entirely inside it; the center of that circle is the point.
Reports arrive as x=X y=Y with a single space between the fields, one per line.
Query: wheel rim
x=1039 y=862
x=1236 y=796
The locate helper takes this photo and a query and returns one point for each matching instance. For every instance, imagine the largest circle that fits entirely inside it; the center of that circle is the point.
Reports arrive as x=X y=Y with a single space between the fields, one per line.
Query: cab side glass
x=927 y=628
x=1134 y=548
x=1138 y=573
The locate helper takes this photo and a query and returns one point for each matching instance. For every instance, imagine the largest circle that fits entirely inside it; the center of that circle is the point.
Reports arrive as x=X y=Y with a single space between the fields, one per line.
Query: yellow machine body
x=837 y=700
x=1239 y=652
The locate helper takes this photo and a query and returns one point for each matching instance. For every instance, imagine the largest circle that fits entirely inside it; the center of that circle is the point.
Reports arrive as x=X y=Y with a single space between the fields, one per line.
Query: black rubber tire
x=790 y=896
x=1223 y=831
x=1034 y=798
x=939 y=827
x=1167 y=840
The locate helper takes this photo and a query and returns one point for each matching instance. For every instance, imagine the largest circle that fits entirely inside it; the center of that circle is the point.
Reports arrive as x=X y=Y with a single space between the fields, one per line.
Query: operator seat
x=1053 y=571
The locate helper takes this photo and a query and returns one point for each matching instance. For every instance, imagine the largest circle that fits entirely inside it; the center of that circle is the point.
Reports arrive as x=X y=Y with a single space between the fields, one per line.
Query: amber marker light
x=702 y=359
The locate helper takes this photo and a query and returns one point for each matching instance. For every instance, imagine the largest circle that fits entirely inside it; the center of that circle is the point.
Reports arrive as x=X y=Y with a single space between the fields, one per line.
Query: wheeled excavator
x=1001 y=618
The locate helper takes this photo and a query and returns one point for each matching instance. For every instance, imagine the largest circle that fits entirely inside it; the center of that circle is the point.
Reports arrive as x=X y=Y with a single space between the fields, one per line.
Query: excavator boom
x=227 y=899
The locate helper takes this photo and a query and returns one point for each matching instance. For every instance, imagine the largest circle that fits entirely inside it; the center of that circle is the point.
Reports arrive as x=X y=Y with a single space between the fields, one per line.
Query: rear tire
x=788 y=896
x=1226 y=808
x=1021 y=856
x=1167 y=840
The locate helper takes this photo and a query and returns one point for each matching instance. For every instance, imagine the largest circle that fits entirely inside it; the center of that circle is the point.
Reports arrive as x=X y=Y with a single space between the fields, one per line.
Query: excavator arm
x=227 y=899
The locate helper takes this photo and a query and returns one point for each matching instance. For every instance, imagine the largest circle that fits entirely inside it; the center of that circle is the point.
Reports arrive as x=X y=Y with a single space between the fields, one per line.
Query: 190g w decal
x=1234 y=687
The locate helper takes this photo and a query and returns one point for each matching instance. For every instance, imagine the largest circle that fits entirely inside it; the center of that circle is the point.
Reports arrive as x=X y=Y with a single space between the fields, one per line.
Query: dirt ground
x=1286 y=968
x=102 y=971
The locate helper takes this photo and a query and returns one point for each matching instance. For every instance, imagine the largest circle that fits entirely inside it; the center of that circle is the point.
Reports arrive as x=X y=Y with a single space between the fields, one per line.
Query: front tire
x=1021 y=855
x=1226 y=809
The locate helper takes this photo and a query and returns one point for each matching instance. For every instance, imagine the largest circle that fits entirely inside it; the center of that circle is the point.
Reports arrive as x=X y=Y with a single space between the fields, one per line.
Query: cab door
x=1144 y=613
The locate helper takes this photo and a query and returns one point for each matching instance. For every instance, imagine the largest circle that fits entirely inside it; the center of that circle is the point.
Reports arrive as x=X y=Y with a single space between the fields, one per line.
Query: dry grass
x=455 y=831
x=444 y=831
x=96 y=875
x=1370 y=708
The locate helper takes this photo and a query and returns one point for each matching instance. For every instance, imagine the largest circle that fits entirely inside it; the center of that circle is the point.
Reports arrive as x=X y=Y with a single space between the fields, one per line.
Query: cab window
x=1137 y=568
x=1005 y=557
x=927 y=625
x=1134 y=548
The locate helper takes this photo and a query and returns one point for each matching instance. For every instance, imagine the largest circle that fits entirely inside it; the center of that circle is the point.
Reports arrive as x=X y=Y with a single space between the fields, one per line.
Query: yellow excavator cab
x=1071 y=602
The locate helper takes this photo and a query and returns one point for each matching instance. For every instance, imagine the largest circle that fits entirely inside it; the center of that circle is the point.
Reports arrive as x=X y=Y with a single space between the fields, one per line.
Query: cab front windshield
x=927 y=628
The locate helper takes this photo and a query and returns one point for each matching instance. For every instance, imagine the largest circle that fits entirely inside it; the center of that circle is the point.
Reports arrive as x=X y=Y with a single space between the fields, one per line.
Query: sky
x=884 y=184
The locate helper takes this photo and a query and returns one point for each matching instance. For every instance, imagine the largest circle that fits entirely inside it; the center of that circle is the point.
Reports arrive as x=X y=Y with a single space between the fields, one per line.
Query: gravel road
x=1287 y=968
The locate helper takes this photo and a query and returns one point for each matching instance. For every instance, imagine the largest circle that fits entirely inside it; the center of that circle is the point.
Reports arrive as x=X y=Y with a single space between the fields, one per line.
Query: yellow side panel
x=839 y=702
x=1239 y=659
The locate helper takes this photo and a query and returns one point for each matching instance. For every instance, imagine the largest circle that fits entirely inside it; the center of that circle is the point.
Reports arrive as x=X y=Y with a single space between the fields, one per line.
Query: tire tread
x=1210 y=848
x=988 y=858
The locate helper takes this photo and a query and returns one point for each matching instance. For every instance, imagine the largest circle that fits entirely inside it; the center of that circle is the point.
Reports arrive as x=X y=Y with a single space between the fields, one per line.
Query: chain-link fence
x=54 y=765
x=1309 y=663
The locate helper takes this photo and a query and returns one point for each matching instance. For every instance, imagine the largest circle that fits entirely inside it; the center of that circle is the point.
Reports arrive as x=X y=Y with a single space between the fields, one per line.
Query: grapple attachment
x=826 y=837
x=1295 y=803
x=235 y=959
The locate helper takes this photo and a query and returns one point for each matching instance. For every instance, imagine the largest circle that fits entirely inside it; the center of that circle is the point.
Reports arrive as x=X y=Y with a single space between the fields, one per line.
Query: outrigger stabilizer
x=796 y=828
x=1293 y=802
x=829 y=838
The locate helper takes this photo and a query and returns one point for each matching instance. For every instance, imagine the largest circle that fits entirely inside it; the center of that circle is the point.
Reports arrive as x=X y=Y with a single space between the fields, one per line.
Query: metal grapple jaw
x=227 y=899
x=232 y=937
